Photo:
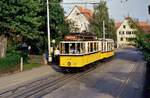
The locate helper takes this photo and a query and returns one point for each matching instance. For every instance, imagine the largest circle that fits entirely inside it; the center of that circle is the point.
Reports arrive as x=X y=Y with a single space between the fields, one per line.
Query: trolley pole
x=48 y=31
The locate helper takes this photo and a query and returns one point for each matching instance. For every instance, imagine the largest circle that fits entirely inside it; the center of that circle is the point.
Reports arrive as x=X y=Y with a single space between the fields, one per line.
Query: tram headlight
x=69 y=63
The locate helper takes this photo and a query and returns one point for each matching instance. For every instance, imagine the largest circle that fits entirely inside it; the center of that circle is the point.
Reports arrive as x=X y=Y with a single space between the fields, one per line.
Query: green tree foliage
x=142 y=40
x=57 y=20
x=96 y=23
x=27 y=20
x=58 y=26
x=20 y=17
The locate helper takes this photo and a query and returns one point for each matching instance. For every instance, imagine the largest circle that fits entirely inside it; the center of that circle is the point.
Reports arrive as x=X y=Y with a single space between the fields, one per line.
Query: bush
x=9 y=62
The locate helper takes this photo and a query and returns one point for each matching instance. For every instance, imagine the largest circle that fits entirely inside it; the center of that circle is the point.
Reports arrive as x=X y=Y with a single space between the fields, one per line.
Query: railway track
x=125 y=83
x=39 y=88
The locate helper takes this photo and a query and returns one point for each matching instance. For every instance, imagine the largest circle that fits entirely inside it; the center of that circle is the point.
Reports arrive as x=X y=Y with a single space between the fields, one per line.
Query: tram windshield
x=72 y=48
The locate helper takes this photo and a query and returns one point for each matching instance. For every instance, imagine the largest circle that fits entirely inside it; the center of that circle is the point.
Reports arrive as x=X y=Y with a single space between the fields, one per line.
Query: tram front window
x=72 y=48
x=66 y=48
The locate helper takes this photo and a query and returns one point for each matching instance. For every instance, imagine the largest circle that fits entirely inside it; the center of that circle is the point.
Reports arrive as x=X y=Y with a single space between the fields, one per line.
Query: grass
x=10 y=62
x=31 y=66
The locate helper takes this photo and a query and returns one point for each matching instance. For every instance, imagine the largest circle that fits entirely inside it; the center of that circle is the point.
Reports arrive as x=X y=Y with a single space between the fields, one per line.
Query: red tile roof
x=86 y=12
x=143 y=24
x=118 y=24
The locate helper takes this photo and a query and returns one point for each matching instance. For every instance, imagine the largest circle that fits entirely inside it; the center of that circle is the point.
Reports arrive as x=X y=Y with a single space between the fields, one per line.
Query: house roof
x=86 y=12
x=118 y=24
x=142 y=24
x=145 y=26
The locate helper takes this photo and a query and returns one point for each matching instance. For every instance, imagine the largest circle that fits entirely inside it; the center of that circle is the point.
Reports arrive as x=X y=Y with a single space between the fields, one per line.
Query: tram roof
x=83 y=36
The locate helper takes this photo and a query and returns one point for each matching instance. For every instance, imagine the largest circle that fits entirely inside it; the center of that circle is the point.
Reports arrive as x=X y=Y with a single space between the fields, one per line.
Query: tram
x=80 y=49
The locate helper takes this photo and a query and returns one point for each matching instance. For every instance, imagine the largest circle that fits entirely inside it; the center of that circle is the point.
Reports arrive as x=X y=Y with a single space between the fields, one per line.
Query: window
x=121 y=39
x=128 y=32
x=124 y=26
x=72 y=48
x=130 y=39
x=133 y=32
x=65 y=48
x=82 y=48
x=91 y=47
x=77 y=13
x=121 y=32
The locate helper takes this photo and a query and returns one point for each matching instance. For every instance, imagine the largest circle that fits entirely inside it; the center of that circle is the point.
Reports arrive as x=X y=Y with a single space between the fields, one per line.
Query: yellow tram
x=78 y=50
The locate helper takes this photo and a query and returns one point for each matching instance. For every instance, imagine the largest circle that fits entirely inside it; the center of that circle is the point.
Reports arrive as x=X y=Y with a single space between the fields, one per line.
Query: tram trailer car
x=78 y=54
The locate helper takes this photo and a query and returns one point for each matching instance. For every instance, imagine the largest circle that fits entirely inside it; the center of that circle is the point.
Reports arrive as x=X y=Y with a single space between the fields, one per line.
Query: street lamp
x=48 y=31
x=53 y=42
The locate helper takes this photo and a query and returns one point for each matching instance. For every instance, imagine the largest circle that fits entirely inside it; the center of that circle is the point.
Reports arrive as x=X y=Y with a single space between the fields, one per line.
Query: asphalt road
x=122 y=77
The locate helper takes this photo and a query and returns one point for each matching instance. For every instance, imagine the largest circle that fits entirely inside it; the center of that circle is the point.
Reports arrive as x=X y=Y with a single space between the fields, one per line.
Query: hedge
x=10 y=61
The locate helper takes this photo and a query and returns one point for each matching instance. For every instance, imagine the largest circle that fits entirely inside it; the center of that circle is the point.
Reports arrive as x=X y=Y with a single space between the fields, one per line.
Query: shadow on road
x=146 y=88
x=129 y=54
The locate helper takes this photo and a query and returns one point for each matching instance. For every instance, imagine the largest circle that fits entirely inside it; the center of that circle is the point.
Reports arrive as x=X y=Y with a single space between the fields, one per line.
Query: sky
x=118 y=9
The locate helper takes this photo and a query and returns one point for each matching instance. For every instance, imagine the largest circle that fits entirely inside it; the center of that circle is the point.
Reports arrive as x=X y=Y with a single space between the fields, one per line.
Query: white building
x=125 y=33
x=80 y=16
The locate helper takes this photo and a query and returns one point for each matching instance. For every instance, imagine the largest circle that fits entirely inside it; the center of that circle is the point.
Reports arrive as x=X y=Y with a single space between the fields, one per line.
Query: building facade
x=80 y=17
x=126 y=33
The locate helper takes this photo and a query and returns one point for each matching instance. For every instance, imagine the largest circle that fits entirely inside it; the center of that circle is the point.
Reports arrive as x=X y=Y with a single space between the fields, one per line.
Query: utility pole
x=48 y=31
x=104 y=29
x=103 y=35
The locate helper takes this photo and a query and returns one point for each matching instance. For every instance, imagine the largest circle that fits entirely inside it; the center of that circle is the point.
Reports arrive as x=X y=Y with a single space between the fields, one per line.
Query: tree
x=20 y=18
x=26 y=20
x=142 y=40
x=96 y=23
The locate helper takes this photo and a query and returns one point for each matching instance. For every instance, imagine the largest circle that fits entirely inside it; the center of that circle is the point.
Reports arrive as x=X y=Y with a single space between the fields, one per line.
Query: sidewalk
x=25 y=76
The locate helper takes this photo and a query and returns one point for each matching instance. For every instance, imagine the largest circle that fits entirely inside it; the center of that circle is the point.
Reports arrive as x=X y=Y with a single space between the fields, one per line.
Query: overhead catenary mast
x=104 y=30
x=103 y=40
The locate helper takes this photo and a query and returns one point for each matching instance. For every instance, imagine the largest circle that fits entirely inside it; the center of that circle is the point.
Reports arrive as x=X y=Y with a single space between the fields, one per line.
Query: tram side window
x=78 y=48
x=91 y=47
x=88 y=47
x=83 y=47
x=94 y=46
